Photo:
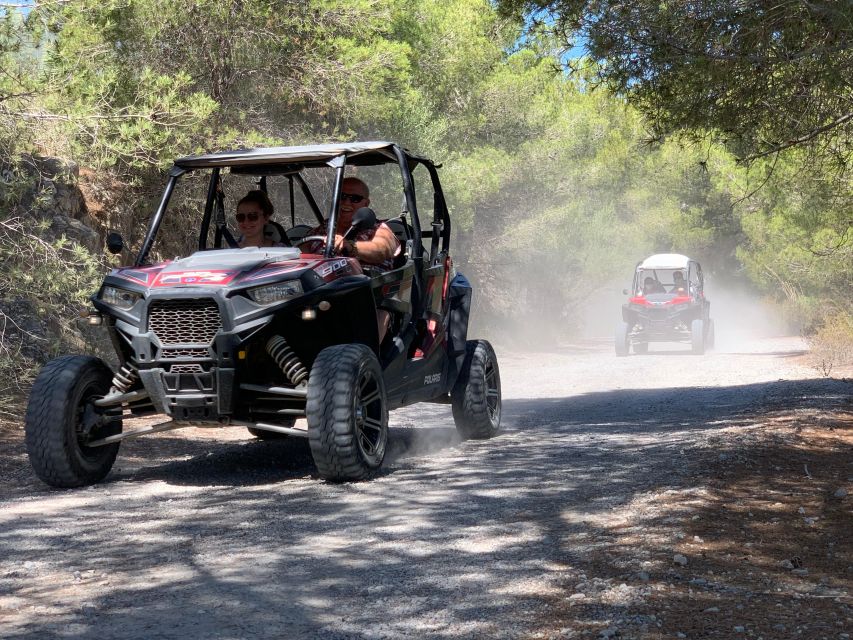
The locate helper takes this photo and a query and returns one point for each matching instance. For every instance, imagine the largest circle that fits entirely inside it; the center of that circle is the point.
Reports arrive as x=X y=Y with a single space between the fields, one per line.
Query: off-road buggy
x=667 y=303
x=262 y=337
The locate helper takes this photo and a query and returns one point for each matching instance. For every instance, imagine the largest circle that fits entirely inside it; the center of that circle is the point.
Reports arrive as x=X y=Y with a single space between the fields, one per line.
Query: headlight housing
x=118 y=297
x=278 y=292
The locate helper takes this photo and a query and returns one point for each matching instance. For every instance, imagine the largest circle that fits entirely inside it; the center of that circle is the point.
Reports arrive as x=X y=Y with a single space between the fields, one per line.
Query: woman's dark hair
x=259 y=198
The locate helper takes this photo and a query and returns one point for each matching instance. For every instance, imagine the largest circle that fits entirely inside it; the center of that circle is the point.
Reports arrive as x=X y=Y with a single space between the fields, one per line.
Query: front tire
x=59 y=413
x=347 y=413
x=697 y=337
x=476 y=396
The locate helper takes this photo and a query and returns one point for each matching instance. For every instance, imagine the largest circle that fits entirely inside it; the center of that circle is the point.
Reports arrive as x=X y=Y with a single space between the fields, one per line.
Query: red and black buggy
x=262 y=337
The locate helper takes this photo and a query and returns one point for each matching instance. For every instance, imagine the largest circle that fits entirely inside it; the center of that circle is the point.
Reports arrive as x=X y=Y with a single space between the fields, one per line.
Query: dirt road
x=659 y=496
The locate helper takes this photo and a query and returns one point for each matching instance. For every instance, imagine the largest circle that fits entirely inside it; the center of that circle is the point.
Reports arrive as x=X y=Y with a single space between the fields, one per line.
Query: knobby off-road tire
x=476 y=396
x=623 y=342
x=53 y=424
x=697 y=337
x=347 y=413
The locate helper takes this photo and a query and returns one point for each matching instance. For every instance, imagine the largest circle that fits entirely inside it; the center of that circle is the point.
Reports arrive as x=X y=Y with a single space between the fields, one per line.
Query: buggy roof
x=665 y=261
x=357 y=153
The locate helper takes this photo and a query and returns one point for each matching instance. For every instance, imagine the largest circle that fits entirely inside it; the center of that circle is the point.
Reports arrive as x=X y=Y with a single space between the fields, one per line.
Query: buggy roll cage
x=693 y=268
x=274 y=161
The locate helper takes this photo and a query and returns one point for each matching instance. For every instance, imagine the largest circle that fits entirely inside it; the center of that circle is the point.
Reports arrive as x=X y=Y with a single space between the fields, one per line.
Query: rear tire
x=476 y=396
x=697 y=337
x=623 y=342
x=60 y=403
x=347 y=413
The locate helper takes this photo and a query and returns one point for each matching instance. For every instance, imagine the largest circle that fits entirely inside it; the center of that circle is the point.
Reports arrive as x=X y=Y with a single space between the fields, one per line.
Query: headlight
x=121 y=298
x=278 y=292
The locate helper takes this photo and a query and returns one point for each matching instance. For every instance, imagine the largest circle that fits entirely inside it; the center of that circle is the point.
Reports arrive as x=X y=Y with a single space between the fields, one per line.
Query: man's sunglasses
x=253 y=216
x=351 y=197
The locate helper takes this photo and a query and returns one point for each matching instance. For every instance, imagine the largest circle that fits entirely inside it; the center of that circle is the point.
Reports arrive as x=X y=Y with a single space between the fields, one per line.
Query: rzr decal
x=194 y=277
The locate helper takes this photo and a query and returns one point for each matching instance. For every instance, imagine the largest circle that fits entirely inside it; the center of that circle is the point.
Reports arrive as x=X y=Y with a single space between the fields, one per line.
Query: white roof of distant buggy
x=665 y=261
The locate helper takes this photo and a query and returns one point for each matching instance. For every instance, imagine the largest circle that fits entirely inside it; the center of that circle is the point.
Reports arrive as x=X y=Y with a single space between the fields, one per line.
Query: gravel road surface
x=205 y=533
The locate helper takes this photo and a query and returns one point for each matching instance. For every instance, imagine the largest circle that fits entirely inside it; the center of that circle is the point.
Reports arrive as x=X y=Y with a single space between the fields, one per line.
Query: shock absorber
x=123 y=379
x=287 y=360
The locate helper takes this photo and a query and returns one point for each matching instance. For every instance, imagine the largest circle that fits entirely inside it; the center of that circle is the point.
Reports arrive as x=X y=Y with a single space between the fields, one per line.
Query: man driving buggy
x=679 y=285
x=376 y=247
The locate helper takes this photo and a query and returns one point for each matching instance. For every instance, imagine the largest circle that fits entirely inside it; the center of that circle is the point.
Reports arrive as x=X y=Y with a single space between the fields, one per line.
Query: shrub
x=832 y=344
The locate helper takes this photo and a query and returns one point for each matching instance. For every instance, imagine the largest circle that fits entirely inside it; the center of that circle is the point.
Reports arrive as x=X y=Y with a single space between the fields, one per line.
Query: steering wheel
x=308 y=239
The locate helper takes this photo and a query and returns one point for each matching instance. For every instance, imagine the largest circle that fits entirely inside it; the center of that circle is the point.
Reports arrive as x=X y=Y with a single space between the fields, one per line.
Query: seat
x=275 y=232
x=297 y=233
x=403 y=231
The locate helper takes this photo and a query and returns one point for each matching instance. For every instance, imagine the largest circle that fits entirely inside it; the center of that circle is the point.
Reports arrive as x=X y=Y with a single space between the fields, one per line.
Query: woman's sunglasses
x=253 y=216
x=352 y=197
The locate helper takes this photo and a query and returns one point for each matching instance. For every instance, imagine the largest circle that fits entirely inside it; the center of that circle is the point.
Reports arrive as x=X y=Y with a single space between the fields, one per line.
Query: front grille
x=170 y=354
x=184 y=321
x=186 y=368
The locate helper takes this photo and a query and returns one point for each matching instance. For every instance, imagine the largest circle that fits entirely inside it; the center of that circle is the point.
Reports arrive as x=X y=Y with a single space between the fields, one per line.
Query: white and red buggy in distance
x=666 y=303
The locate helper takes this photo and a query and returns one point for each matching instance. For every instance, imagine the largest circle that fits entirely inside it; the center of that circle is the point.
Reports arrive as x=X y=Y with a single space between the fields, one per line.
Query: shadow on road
x=510 y=523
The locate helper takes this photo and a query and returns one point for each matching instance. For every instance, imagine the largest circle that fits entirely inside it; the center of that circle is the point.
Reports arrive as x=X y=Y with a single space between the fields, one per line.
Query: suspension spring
x=124 y=378
x=287 y=360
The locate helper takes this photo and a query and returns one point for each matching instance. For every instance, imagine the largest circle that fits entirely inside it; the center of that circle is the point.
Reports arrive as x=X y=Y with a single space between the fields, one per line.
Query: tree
x=763 y=75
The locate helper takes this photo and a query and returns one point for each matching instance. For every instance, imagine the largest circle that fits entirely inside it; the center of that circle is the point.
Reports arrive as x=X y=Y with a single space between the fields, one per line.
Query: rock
x=778 y=627
x=712 y=610
x=786 y=564
x=610 y=632
x=680 y=635
x=643 y=576
x=739 y=629
x=577 y=596
x=723 y=456
x=679 y=560
x=841 y=492
x=801 y=511
x=800 y=572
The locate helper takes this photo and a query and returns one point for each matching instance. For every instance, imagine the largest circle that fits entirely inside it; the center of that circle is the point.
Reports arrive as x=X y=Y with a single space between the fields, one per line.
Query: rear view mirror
x=115 y=243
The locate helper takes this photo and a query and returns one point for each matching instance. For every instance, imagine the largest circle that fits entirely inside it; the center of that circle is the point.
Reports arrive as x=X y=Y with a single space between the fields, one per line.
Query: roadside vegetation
x=558 y=182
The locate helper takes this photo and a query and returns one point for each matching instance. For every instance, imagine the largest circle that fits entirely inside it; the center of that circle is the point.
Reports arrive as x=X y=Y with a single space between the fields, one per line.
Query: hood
x=219 y=267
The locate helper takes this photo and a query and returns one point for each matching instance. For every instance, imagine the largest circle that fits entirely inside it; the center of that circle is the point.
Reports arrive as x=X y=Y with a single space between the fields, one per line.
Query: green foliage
x=762 y=75
x=43 y=287
x=798 y=240
x=552 y=187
